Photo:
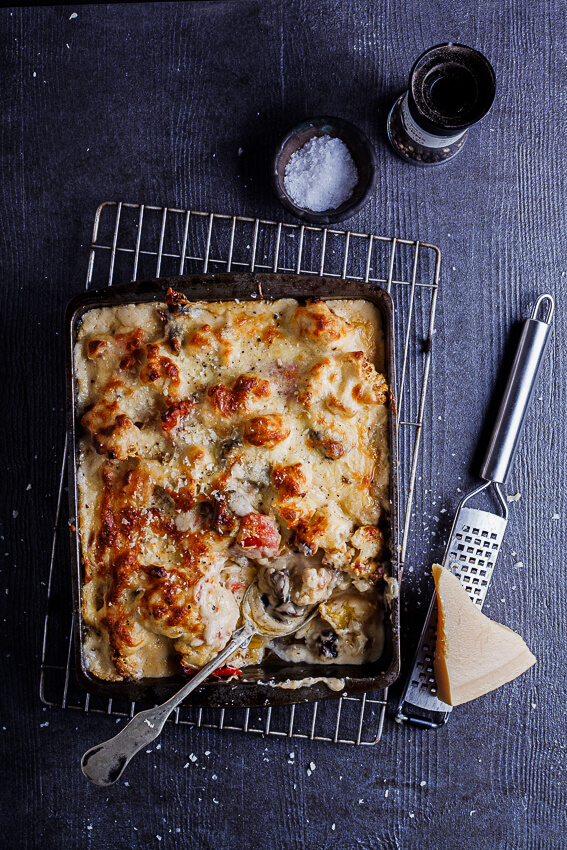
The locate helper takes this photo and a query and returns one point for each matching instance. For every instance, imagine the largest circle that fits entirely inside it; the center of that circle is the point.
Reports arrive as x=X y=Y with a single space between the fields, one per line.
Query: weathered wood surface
x=151 y=103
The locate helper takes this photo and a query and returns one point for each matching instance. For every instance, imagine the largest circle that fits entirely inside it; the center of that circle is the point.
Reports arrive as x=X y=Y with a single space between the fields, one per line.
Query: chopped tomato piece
x=226 y=671
x=258 y=536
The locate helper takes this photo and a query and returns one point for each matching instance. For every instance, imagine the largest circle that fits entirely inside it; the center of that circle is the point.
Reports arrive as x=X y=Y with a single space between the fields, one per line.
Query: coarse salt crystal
x=321 y=175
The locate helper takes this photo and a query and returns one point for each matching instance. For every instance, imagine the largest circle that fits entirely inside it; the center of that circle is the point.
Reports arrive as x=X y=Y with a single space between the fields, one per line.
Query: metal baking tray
x=250 y=688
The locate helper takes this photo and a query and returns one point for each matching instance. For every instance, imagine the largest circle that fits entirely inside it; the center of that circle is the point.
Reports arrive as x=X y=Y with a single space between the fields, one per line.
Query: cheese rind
x=474 y=654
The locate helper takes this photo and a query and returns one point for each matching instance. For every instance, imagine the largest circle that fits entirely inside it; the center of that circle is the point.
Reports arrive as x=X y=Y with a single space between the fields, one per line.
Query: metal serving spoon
x=105 y=763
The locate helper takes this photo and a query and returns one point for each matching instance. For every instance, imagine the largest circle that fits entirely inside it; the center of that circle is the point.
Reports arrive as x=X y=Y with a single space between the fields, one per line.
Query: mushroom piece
x=279 y=582
x=327 y=643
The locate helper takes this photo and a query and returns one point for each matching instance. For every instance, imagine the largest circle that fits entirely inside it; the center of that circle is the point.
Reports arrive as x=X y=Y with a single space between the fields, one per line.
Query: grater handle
x=517 y=395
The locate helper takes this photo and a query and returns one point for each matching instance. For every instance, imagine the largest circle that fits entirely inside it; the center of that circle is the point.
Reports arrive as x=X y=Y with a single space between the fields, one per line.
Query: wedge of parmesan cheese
x=474 y=655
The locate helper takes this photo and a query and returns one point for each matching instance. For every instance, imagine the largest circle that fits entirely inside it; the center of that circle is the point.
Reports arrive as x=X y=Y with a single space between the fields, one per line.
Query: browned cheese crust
x=219 y=440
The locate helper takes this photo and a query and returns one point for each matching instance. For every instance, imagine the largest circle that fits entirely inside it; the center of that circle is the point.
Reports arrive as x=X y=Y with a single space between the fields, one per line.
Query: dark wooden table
x=179 y=104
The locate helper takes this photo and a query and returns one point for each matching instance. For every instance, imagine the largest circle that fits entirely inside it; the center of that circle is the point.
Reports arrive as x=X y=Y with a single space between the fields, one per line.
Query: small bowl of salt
x=324 y=170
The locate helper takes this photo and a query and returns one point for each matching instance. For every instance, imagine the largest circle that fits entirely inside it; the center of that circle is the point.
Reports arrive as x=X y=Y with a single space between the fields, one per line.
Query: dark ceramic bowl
x=360 y=149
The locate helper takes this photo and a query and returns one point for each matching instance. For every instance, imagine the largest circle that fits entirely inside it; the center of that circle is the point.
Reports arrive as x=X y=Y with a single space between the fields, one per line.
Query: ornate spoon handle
x=105 y=763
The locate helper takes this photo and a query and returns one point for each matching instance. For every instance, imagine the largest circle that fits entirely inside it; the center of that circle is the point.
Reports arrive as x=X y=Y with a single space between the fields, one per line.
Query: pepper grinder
x=451 y=87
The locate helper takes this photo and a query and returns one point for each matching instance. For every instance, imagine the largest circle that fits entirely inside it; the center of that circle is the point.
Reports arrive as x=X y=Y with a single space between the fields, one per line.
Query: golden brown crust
x=290 y=480
x=317 y=322
x=112 y=432
x=267 y=431
x=245 y=393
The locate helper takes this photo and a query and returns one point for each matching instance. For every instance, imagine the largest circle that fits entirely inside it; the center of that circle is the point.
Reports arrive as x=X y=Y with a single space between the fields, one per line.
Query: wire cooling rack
x=136 y=241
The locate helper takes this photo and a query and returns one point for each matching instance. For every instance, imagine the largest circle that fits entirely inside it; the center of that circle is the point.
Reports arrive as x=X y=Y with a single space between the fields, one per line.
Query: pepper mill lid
x=451 y=87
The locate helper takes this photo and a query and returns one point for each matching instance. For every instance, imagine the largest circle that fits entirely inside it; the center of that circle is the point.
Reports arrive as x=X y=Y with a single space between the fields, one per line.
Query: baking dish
x=252 y=687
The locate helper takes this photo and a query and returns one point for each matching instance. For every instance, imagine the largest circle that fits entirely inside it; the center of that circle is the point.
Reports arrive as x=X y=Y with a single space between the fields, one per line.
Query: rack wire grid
x=137 y=241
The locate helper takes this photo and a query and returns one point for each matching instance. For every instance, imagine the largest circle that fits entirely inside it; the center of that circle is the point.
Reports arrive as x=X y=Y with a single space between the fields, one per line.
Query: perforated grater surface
x=476 y=535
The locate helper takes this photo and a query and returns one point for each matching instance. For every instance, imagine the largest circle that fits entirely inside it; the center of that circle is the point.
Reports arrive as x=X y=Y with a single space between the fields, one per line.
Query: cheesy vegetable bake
x=221 y=441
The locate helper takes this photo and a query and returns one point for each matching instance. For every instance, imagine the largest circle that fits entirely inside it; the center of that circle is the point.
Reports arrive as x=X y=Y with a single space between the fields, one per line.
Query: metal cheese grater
x=476 y=535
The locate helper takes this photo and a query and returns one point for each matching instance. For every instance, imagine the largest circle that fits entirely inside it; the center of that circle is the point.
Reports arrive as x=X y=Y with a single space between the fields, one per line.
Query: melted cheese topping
x=223 y=439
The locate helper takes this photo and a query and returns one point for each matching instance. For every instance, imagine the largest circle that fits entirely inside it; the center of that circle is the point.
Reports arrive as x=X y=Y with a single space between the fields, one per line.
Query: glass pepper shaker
x=451 y=87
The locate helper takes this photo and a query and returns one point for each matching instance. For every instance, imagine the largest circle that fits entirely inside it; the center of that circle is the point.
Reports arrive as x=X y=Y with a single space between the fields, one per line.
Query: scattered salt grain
x=333 y=827
x=411 y=814
x=312 y=765
x=192 y=757
x=515 y=498
x=89 y=826
x=15 y=514
x=555 y=516
x=423 y=783
x=73 y=15
x=321 y=175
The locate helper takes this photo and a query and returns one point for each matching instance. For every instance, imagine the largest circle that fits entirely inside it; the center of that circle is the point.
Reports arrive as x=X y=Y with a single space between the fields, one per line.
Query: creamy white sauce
x=295 y=684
